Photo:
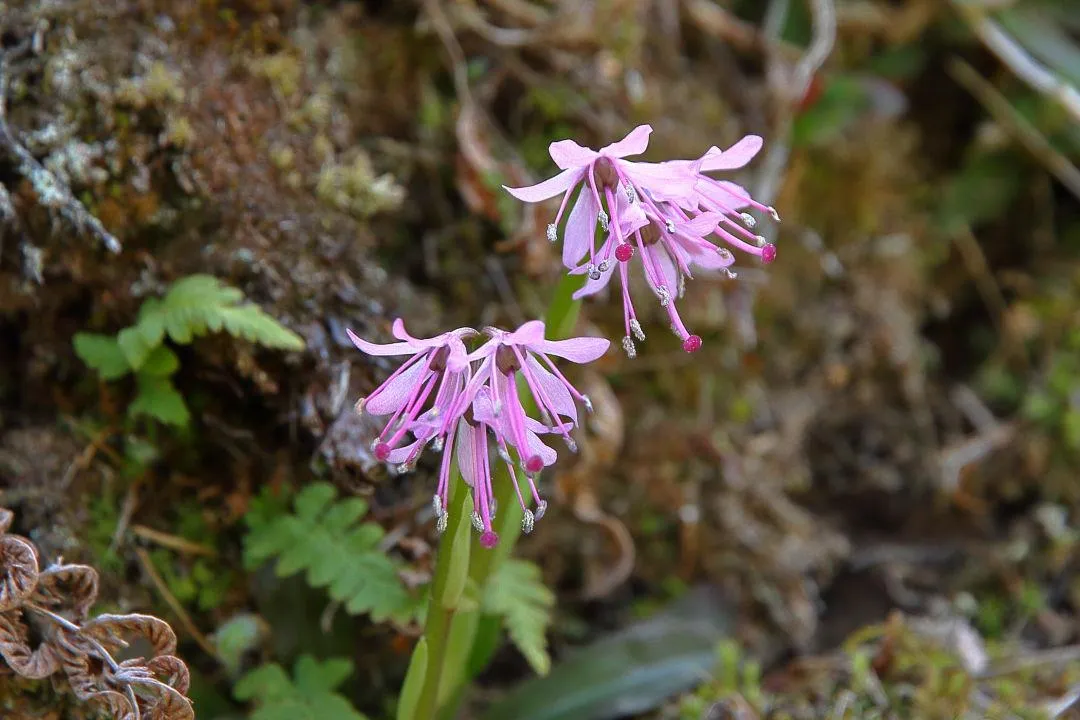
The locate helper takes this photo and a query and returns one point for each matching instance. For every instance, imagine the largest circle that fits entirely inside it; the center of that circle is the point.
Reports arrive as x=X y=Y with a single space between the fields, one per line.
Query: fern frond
x=309 y=695
x=325 y=538
x=103 y=353
x=197 y=305
x=517 y=592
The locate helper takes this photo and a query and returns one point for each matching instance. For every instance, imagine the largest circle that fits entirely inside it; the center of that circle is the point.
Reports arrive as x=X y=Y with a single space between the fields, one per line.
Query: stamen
x=528 y=521
x=604 y=220
x=477 y=522
x=670 y=225
x=628 y=346
x=760 y=240
x=594 y=274
x=602 y=267
x=504 y=455
x=571 y=445
x=725 y=254
x=775 y=215
x=586 y=402
x=635 y=327
x=731 y=274
x=436 y=505
x=631 y=194
x=664 y=294
x=359 y=406
x=552 y=233
x=541 y=508
x=441 y=522
x=494 y=506
x=437 y=444
x=747 y=218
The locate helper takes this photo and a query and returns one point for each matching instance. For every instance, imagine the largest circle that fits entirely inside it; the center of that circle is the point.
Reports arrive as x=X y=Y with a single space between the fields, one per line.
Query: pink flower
x=477 y=393
x=663 y=215
x=603 y=174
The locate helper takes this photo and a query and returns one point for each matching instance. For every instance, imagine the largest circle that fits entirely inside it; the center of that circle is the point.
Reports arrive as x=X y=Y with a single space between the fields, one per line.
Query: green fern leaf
x=160 y=363
x=159 y=399
x=103 y=353
x=325 y=538
x=518 y=594
x=308 y=696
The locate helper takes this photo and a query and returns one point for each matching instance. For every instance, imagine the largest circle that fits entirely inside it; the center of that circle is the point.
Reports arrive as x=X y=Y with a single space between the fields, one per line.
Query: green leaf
x=102 y=353
x=161 y=362
x=517 y=592
x=325 y=538
x=239 y=635
x=159 y=399
x=310 y=696
x=629 y=673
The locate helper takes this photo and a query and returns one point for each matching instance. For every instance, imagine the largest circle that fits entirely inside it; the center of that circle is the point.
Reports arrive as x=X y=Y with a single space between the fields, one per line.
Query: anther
x=541 y=508
x=635 y=327
x=775 y=215
x=730 y=273
x=571 y=445
x=441 y=522
x=594 y=274
x=477 y=522
x=604 y=220
x=725 y=254
x=747 y=218
x=436 y=505
x=628 y=346
x=664 y=294
x=528 y=521
x=670 y=225
x=586 y=402
x=505 y=456
x=437 y=444
x=631 y=194
x=359 y=406
x=552 y=233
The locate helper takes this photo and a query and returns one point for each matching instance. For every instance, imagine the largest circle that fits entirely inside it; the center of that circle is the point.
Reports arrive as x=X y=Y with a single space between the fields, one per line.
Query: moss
x=356 y=189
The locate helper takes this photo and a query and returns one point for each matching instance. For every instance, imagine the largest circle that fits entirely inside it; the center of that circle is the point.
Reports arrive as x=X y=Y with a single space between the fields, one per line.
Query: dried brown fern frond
x=55 y=603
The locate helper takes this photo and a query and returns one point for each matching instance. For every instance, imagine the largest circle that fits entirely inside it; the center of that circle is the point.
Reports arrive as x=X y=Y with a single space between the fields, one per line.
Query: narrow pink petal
x=663 y=180
x=707 y=259
x=635 y=143
x=548 y=188
x=568 y=154
x=529 y=332
x=394 y=393
x=578 y=350
x=580 y=229
x=734 y=157
x=554 y=389
x=401 y=454
x=700 y=226
x=459 y=356
x=398 y=348
x=538 y=448
x=467 y=458
x=631 y=217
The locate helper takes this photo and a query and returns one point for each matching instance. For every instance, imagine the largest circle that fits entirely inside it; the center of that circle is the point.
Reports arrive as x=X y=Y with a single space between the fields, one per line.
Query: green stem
x=451 y=566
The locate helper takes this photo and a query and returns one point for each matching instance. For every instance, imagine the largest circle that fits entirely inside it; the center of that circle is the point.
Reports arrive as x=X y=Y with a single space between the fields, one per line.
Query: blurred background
x=858 y=500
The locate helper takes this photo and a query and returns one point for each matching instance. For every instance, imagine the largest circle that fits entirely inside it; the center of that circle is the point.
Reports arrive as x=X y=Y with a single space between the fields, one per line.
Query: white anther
x=664 y=294
x=628 y=346
x=541 y=508
x=749 y=219
x=586 y=402
x=604 y=220
x=528 y=520
x=552 y=233
x=670 y=225
x=477 y=522
x=775 y=215
x=603 y=266
x=440 y=523
x=635 y=328
x=631 y=194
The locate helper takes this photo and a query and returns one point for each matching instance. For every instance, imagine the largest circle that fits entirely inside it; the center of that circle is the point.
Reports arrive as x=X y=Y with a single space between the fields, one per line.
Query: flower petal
x=528 y=333
x=568 y=154
x=548 y=188
x=553 y=388
x=538 y=448
x=663 y=180
x=458 y=359
x=727 y=195
x=398 y=348
x=577 y=350
x=580 y=228
x=394 y=393
x=700 y=226
x=467 y=458
x=635 y=143
x=401 y=454
x=734 y=157
x=591 y=286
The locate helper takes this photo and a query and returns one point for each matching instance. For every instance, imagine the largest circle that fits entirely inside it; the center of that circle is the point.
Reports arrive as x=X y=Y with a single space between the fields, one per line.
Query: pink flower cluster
x=451 y=399
x=663 y=213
